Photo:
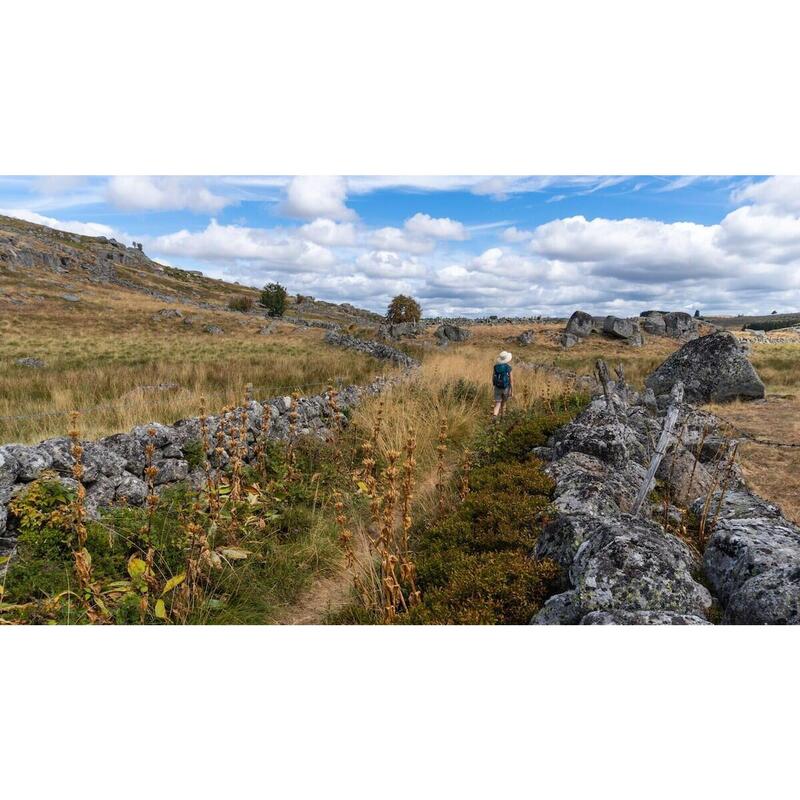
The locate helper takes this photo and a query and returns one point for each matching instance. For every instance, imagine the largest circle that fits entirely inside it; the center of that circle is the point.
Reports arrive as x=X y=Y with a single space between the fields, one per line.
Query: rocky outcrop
x=713 y=369
x=752 y=560
x=623 y=566
x=447 y=333
x=395 y=331
x=626 y=566
x=375 y=349
x=675 y=324
x=581 y=325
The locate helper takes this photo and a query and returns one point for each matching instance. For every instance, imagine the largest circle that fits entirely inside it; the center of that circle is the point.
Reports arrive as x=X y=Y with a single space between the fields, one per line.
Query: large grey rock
x=99 y=495
x=712 y=369
x=9 y=469
x=653 y=323
x=131 y=490
x=451 y=333
x=570 y=340
x=129 y=448
x=580 y=324
x=3 y=519
x=560 y=609
x=399 y=330
x=526 y=338
x=740 y=549
x=634 y=565
x=31 y=460
x=620 y=328
x=171 y=470
x=679 y=323
x=101 y=460
x=770 y=598
x=642 y=618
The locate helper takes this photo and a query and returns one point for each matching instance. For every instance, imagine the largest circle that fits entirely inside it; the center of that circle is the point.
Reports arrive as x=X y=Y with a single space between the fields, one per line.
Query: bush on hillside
x=403 y=309
x=273 y=298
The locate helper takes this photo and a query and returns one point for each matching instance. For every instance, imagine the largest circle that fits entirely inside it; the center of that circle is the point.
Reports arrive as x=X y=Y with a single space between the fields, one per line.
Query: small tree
x=241 y=302
x=273 y=298
x=403 y=309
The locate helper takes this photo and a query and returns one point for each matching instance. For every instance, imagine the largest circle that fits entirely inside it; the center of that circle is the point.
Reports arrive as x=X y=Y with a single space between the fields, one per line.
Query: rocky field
x=328 y=466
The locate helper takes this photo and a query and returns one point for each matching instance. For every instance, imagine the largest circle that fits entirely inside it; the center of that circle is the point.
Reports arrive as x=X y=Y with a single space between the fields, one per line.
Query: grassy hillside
x=133 y=342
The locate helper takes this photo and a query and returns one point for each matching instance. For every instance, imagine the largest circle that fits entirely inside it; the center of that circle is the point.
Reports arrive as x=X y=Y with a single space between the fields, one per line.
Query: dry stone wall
x=627 y=568
x=114 y=465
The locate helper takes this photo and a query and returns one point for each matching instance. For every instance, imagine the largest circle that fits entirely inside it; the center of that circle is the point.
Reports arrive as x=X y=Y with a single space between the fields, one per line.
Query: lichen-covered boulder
x=9 y=469
x=631 y=564
x=131 y=490
x=712 y=369
x=770 y=598
x=127 y=447
x=740 y=549
x=451 y=333
x=580 y=324
x=642 y=618
x=560 y=609
x=171 y=470
x=31 y=460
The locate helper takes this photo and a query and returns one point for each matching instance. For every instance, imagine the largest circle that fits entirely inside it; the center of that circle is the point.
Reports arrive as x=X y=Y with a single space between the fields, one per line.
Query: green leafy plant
x=273 y=298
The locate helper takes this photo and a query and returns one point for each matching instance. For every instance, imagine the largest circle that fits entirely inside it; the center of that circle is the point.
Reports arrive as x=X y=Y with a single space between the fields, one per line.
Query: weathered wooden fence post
x=671 y=417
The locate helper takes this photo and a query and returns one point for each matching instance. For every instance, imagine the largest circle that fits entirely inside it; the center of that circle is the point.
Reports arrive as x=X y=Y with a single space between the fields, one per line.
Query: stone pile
x=375 y=349
x=622 y=565
x=114 y=466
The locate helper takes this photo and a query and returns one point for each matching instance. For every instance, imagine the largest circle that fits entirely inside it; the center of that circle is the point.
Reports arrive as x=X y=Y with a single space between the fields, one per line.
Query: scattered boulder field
x=675 y=324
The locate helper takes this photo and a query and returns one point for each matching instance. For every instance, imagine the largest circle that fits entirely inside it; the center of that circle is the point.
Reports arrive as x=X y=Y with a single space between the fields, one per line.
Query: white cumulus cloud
x=141 y=193
x=437 y=228
x=312 y=196
x=327 y=232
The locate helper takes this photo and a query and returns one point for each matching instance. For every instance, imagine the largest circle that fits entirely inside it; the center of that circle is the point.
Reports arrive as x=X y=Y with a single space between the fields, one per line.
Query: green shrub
x=475 y=565
x=273 y=298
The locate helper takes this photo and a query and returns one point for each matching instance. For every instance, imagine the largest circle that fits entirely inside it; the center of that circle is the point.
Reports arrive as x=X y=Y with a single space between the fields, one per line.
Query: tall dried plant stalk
x=408 y=569
x=441 y=450
x=92 y=600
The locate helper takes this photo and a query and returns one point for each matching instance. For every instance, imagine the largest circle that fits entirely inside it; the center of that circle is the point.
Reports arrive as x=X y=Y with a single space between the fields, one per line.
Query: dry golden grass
x=104 y=349
x=453 y=385
x=773 y=472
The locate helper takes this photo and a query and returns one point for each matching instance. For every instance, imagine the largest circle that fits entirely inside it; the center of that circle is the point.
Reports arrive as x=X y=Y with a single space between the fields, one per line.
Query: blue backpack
x=501 y=378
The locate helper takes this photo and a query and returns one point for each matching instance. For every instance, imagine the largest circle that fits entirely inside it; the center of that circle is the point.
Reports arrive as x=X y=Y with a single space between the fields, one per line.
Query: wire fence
x=757 y=439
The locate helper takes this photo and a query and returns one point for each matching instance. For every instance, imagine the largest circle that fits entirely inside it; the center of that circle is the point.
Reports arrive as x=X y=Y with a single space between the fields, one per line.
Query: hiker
x=503 y=382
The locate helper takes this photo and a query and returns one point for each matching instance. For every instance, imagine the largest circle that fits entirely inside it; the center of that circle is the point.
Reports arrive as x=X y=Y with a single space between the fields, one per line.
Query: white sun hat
x=504 y=357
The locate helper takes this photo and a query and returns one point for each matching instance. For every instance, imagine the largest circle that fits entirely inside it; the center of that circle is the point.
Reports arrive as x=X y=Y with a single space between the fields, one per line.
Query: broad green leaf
x=136 y=567
x=160 y=609
x=175 y=580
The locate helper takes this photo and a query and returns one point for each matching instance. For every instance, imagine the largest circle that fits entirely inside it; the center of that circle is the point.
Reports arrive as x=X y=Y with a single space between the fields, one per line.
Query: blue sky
x=462 y=245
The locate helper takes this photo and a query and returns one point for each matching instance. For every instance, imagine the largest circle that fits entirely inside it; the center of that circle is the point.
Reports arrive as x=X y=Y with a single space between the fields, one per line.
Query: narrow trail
x=332 y=592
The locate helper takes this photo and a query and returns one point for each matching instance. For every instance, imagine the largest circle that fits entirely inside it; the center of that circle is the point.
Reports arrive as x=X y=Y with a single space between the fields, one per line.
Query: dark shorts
x=501 y=394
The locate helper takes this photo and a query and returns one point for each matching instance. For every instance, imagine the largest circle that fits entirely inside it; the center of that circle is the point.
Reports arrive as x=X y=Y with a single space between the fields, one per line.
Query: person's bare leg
x=497 y=406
